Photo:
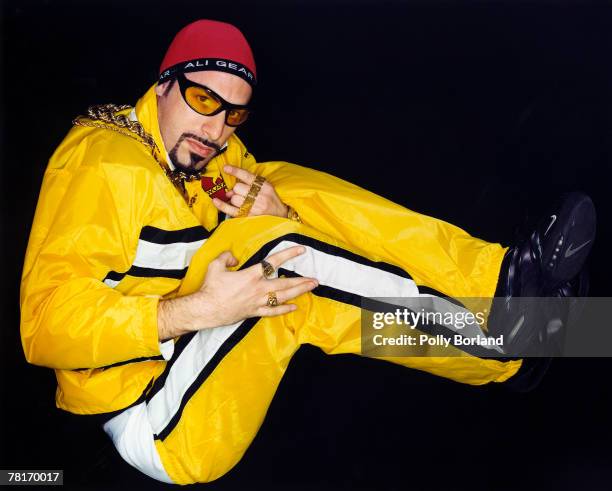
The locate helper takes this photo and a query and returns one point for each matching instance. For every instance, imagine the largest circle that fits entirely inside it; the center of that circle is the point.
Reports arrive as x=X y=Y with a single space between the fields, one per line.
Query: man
x=177 y=324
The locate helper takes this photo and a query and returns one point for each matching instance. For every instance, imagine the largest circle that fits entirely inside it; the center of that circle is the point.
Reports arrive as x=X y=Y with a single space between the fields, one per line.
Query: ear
x=160 y=89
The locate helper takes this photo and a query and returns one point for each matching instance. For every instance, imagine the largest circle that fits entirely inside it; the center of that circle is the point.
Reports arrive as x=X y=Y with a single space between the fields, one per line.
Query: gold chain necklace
x=105 y=116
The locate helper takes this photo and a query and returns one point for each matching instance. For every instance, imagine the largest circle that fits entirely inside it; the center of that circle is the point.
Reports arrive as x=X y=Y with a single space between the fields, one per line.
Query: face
x=190 y=138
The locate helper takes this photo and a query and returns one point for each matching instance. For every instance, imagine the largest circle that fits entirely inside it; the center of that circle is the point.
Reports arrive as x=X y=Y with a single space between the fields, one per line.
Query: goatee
x=194 y=158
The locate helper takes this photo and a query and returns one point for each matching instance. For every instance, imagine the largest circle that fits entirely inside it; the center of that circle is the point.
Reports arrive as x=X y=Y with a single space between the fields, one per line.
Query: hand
x=228 y=296
x=266 y=203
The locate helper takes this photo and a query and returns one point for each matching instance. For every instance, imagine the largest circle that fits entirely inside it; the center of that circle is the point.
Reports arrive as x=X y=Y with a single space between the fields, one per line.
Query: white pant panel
x=133 y=437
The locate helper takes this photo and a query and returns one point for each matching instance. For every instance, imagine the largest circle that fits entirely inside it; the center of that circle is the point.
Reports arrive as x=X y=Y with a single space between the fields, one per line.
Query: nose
x=213 y=126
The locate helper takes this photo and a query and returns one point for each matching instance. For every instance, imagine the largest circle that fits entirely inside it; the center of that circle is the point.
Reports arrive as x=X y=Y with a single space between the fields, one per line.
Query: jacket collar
x=146 y=113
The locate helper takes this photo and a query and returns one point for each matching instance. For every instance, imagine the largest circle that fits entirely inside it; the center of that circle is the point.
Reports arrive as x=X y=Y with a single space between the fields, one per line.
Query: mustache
x=199 y=139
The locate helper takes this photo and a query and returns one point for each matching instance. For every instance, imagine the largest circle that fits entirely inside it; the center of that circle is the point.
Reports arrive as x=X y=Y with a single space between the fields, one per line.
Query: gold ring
x=268 y=269
x=247 y=204
x=272 y=300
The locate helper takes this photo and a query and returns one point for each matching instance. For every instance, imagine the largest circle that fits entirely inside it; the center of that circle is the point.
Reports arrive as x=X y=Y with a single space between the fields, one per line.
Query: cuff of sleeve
x=149 y=331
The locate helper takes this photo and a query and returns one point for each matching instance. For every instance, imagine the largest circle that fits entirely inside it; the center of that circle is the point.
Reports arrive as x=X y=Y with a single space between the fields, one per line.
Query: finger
x=229 y=193
x=278 y=258
x=243 y=175
x=225 y=207
x=295 y=291
x=237 y=200
x=274 y=311
x=278 y=284
x=241 y=189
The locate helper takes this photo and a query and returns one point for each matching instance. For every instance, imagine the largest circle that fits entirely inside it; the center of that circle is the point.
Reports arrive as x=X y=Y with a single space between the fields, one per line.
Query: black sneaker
x=549 y=263
x=554 y=254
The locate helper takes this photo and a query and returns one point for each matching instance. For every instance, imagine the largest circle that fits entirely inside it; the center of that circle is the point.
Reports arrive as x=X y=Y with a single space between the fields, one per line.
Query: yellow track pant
x=205 y=409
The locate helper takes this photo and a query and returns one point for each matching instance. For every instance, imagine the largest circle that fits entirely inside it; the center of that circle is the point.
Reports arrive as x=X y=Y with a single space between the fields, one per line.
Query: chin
x=194 y=167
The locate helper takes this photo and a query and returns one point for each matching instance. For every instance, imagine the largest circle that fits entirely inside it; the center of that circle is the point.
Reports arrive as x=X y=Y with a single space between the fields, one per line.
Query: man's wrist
x=173 y=313
x=181 y=315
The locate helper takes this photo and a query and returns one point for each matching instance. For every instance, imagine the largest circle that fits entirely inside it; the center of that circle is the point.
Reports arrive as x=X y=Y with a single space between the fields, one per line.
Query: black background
x=476 y=113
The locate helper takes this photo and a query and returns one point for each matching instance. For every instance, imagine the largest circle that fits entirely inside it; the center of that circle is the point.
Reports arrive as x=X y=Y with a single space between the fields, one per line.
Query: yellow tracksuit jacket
x=111 y=236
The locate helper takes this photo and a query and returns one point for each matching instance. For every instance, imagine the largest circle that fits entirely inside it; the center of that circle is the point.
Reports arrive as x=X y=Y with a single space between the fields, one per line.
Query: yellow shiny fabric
x=221 y=419
x=102 y=187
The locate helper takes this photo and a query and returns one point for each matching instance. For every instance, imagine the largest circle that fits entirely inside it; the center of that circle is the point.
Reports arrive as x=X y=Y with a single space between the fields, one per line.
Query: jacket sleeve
x=83 y=229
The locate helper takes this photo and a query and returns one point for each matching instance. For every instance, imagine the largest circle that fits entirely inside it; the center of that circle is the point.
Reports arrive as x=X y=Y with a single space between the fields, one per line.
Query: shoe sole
x=569 y=239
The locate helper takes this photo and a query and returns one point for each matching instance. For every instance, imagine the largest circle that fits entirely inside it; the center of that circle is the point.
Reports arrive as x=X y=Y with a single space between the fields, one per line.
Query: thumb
x=223 y=261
